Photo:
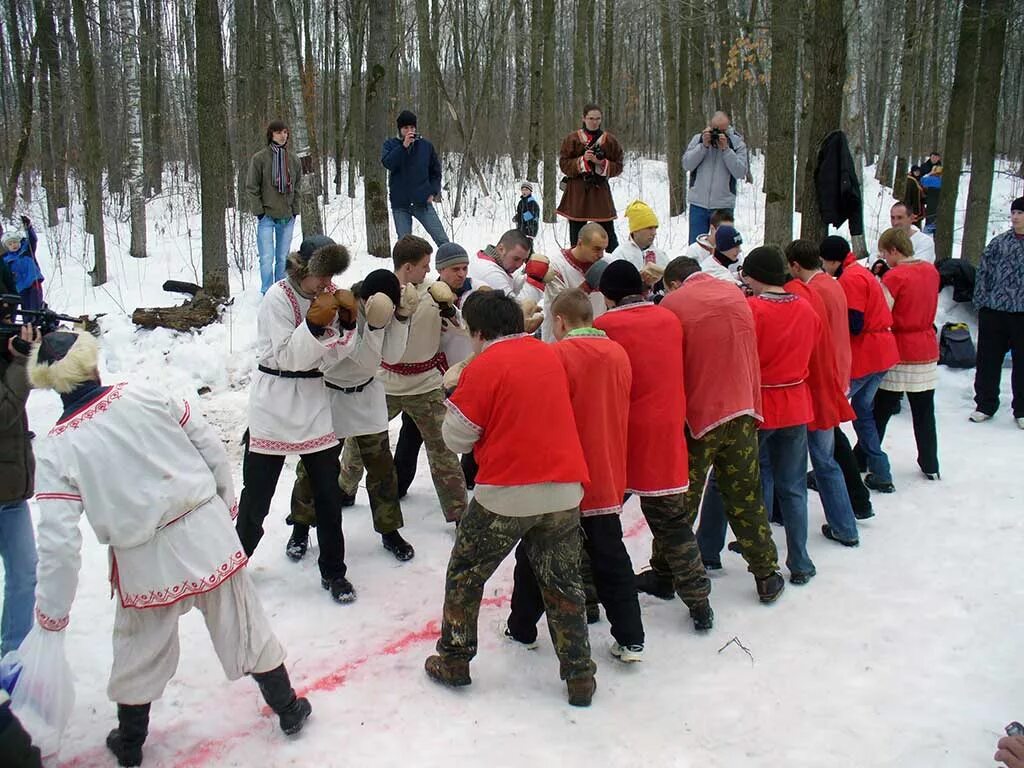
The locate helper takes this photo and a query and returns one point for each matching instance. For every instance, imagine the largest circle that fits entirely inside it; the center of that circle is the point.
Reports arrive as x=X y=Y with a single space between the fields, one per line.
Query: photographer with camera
x=716 y=159
x=414 y=180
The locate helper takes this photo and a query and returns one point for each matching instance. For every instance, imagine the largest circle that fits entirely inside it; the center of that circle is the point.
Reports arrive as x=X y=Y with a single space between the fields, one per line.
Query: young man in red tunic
x=599 y=377
x=873 y=350
x=528 y=488
x=787 y=330
x=656 y=460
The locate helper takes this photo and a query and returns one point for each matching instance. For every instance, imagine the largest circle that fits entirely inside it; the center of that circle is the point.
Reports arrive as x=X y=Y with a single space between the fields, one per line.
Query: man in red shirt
x=787 y=330
x=873 y=351
x=528 y=488
x=656 y=461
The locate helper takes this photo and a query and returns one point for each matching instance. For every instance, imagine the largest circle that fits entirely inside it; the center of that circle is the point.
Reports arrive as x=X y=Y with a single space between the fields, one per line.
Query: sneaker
x=340 y=588
x=881 y=486
x=660 y=586
x=593 y=614
x=702 y=615
x=347 y=500
x=828 y=533
x=451 y=672
x=396 y=545
x=627 y=654
x=931 y=475
x=507 y=634
x=801 y=578
x=977 y=417
x=770 y=587
x=581 y=690
x=296 y=547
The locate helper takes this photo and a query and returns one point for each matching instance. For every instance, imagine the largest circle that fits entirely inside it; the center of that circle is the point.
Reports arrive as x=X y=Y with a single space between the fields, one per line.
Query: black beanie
x=405 y=117
x=834 y=248
x=765 y=264
x=381 y=281
x=621 y=279
x=1017 y=205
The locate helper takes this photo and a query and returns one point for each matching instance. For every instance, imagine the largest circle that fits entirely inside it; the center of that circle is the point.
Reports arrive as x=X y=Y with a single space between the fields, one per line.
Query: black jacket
x=839 y=195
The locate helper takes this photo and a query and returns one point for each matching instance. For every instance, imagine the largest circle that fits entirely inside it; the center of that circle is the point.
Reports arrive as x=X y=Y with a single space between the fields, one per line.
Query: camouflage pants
x=732 y=450
x=552 y=544
x=427 y=411
x=675 y=545
x=381 y=484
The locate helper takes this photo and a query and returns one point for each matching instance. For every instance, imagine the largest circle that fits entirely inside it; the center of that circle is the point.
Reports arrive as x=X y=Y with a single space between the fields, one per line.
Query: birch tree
x=133 y=120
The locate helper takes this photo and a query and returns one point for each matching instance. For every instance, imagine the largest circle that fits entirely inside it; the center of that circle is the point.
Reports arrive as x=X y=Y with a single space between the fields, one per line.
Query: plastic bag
x=44 y=693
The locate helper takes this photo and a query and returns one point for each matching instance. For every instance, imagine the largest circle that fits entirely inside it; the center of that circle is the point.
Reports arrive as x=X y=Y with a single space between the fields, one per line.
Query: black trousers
x=609 y=227
x=407 y=453
x=860 y=496
x=259 y=480
x=613 y=578
x=922 y=411
x=998 y=333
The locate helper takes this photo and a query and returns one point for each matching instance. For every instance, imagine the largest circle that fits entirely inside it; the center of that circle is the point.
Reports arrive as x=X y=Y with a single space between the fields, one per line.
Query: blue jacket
x=22 y=263
x=415 y=173
x=1000 y=281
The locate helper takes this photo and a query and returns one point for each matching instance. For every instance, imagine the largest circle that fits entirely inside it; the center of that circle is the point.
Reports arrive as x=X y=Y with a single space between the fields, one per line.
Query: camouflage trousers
x=676 y=547
x=381 y=484
x=732 y=450
x=427 y=411
x=552 y=544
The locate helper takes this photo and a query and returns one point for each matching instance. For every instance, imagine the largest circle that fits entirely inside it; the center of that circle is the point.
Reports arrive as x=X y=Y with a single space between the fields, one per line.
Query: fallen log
x=197 y=312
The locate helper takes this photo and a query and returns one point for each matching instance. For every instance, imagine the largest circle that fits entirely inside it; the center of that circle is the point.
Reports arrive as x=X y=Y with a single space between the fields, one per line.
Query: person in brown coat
x=588 y=158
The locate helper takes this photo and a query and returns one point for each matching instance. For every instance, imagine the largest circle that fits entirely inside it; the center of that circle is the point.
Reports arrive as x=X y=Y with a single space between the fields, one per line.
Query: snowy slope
x=902 y=652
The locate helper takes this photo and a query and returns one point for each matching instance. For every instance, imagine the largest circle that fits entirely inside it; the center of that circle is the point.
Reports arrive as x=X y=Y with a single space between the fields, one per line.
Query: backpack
x=956 y=349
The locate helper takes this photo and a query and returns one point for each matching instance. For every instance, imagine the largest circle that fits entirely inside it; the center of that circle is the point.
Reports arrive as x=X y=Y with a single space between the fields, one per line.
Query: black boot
x=397 y=546
x=127 y=739
x=702 y=615
x=296 y=547
x=655 y=584
x=277 y=691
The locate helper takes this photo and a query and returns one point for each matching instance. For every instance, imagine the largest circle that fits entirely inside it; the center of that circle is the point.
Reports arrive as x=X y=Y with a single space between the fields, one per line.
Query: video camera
x=13 y=318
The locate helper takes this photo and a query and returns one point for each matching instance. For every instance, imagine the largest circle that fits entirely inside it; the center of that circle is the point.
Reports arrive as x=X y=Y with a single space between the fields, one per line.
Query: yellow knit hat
x=640 y=216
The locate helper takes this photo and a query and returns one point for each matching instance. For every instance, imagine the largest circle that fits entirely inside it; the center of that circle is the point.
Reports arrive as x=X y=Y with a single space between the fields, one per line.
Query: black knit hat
x=766 y=265
x=1017 y=205
x=405 y=117
x=381 y=281
x=621 y=279
x=834 y=248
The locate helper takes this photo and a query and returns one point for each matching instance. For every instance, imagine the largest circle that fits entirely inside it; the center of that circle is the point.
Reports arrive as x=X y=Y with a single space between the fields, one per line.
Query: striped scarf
x=279 y=163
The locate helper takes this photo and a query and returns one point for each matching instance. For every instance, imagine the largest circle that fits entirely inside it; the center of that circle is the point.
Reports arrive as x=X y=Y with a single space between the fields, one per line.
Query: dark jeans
x=259 y=480
x=783 y=458
x=860 y=496
x=613 y=577
x=609 y=227
x=922 y=411
x=999 y=333
x=407 y=452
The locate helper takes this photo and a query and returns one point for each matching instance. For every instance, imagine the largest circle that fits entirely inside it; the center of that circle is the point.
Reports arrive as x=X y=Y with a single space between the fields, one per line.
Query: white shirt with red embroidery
x=292 y=415
x=483 y=270
x=568 y=276
x=153 y=479
x=637 y=256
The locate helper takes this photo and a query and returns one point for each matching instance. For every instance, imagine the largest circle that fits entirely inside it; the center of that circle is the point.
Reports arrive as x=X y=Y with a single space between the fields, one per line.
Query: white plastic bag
x=44 y=694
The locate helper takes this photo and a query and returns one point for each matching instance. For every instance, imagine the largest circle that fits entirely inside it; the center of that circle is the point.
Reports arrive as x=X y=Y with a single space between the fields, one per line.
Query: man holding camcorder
x=414 y=180
x=715 y=159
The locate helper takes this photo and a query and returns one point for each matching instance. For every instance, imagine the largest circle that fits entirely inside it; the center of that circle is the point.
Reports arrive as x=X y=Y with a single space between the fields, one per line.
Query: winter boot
x=348 y=499
x=881 y=486
x=296 y=547
x=655 y=584
x=702 y=615
x=581 y=690
x=770 y=587
x=828 y=533
x=451 y=672
x=593 y=613
x=801 y=578
x=341 y=589
x=864 y=513
x=397 y=546
x=127 y=739
x=277 y=691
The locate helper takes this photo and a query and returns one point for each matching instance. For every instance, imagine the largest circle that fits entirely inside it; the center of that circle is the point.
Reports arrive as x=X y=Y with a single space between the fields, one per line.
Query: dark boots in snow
x=277 y=691
x=127 y=739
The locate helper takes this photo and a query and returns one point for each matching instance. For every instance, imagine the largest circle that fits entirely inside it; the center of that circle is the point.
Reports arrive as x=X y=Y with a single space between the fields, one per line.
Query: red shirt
x=828 y=395
x=656 y=459
x=874 y=348
x=516 y=395
x=599 y=377
x=723 y=379
x=787 y=331
x=834 y=298
x=914 y=287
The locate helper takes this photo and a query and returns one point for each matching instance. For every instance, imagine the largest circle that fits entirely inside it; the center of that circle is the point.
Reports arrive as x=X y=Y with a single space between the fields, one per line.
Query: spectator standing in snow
x=704 y=245
x=527 y=218
x=414 y=180
x=19 y=256
x=496 y=265
x=999 y=298
x=934 y=159
x=716 y=160
x=932 y=184
x=270 y=188
x=588 y=158
x=913 y=194
x=901 y=217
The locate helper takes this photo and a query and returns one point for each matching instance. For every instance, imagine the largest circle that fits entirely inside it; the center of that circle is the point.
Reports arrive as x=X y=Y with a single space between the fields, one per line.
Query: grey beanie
x=450 y=255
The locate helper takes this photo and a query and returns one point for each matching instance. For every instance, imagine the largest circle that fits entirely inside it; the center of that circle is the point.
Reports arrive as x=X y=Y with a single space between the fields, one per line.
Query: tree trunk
x=548 y=113
x=908 y=91
x=536 y=88
x=356 y=101
x=983 y=138
x=778 y=174
x=673 y=152
x=608 y=59
x=959 y=106
x=380 y=58
x=133 y=107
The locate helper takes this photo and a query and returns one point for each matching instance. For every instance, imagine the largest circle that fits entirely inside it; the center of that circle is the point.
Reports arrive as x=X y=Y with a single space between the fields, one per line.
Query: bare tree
x=673 y=153
x=778 y=174
x=380 y=58
x=133 y=106
x=549 y=133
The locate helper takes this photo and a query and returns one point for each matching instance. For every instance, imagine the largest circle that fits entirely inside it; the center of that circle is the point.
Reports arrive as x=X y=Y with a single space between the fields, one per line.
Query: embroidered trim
x=188 y=412
x=234 y=511
x=438 y=361
x=665 y=492
x=787 y=385
x=453 y=409
x=616 y=510
x=282 y=446
x=632 y=305
x=782 y=298
x=58 y=497
x=188 y=588
x=50 y=624
x=97 y=406
x=726 y=420
x=510 y=337
x=340 y=340
x=290 y=295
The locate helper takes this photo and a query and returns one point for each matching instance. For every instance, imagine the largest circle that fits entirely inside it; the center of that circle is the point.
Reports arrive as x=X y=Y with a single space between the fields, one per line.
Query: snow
x=902 y=652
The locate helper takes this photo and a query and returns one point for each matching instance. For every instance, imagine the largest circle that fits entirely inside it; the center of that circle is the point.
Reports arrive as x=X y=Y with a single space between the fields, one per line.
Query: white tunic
x=154 y=481
x=484 y=270
x=717 y=269
x=568 y=276
x=699 y=250
x=286 y=415
x=638 y=257
x=924 y=245
x=422 y=351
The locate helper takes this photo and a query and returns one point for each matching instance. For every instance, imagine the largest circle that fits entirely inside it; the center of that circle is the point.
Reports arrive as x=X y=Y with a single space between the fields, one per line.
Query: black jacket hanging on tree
x=837 y=185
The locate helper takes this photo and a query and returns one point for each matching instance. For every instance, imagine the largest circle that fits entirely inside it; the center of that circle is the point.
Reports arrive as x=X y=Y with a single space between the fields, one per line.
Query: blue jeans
x=18 y=550
x=700 y=222
x=273 y=255
x=831 y=485
x=862 y=398
x=425 y=214
x=782 y=454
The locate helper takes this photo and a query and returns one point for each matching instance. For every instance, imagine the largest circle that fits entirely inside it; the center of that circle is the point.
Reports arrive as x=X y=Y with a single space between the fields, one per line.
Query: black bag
x=956 y=349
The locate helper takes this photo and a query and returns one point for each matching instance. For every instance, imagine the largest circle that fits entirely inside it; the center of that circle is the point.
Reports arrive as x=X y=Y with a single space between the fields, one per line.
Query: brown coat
x=587 y=196
x=17 y=466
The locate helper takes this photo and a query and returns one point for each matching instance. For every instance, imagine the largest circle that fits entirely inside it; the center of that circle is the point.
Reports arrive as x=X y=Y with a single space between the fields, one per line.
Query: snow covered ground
x=905 y=651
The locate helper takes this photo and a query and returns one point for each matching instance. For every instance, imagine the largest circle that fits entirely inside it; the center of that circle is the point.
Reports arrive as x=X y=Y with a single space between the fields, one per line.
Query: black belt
x=349 y=390
x=291 y=374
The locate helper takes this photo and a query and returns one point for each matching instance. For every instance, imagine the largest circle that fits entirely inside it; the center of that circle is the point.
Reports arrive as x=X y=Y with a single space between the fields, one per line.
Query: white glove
x=652 y=273
x=441 y=292
x=379 y=310
x=410 y=300
x=533 y=316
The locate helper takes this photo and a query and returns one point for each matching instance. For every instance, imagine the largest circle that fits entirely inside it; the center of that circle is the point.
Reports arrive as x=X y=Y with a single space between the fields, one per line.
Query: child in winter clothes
x=20 y=257
x=527 y=218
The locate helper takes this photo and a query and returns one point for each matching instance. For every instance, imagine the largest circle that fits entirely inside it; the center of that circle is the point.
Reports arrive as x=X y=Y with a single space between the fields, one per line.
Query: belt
x=788 y=384
x=349 y=390
x=438 y=361
x=314 y=374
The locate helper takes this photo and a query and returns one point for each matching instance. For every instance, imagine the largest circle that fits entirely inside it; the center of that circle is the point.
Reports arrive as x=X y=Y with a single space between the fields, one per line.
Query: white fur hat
x=63 y=360
x=11 y=236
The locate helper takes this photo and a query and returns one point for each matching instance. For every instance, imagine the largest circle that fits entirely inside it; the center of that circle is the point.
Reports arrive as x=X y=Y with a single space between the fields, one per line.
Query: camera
x=598 y=152
x=13 y=319
x=715 y=133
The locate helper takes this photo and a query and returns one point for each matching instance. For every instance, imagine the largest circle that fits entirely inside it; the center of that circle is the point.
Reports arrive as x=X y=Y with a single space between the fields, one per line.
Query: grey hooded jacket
x=714 y=172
